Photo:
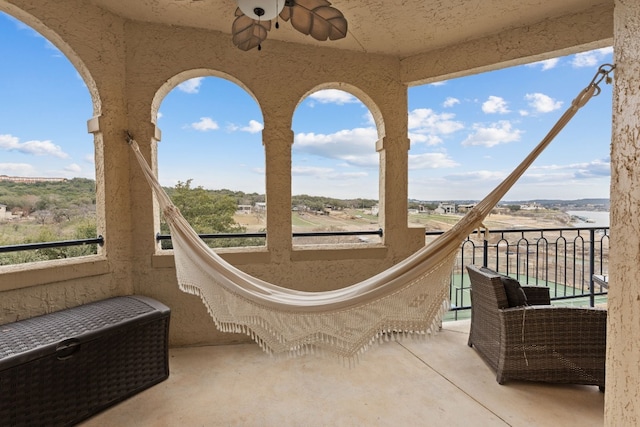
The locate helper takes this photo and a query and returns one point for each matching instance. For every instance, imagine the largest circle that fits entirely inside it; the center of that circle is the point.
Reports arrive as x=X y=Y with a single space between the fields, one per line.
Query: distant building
x=465 y=208
x=530 y=206
x=29 y=179
x=445 y=208
x=244 y=209
x=501 y=210
x=375 y=209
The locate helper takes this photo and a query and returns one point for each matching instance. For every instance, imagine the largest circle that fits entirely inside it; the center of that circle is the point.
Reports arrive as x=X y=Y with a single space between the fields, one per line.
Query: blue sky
x=466 y=134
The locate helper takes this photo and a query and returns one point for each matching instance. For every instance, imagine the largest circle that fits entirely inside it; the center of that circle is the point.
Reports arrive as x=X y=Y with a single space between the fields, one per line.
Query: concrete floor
x=437 y=381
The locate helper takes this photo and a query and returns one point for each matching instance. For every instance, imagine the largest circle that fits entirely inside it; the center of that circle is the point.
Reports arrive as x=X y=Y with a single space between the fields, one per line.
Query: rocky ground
x=356 y=220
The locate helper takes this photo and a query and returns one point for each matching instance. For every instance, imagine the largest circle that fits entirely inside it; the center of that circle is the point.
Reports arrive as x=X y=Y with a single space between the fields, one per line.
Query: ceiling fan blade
x=248 y=33
x=316 y=18
x=286 y=11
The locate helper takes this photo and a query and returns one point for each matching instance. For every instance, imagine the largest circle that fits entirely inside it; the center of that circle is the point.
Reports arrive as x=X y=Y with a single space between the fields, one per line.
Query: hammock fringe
x=320 y=343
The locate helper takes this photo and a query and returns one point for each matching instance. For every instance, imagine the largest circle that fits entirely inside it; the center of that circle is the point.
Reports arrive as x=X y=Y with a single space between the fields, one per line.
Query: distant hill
x=30 y=196
x=82 y=191
x=577 y=204
x=587 y=204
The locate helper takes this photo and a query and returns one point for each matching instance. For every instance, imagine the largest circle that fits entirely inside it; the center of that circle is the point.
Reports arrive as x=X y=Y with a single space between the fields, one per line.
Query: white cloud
x=542 y=103
x=368 y=118
x=36 y=148
x=89 y=158
x=368 y=160
x=596 y=168
x=50 y=46
x=73 y=167
x=18 y=169
x=205 y=124
x=21 y=26
x=333 y=96
x=253 y=127
x=424 y=139
x=354 y=146
x=450 y=102
x=431 y=161
x=496 y=133
x=584 y=170
x=191 y=85
x=310 y=171
x=591 y=58
x=325 y=173
x=495 y=104
x=442 y=83
x=159 y=115
x=475 y=176
x=545 y=65
x=426 y=121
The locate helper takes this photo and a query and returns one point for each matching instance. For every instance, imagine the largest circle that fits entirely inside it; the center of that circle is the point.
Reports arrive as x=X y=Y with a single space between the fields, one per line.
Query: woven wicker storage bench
x=63 y=367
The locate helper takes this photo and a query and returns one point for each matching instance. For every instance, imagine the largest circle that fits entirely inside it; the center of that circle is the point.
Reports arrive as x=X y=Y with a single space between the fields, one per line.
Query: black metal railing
x=563 y=259
x=378 y=232
x=47 y=245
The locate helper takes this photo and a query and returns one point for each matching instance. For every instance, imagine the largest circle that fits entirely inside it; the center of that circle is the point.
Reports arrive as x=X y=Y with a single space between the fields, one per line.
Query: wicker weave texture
x=536 y=342
x=106 y=352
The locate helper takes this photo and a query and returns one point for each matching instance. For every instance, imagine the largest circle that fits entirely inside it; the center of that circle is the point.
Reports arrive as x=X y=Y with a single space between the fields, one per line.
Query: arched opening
x=335 y=169
x=211 y=158
x=48 y=172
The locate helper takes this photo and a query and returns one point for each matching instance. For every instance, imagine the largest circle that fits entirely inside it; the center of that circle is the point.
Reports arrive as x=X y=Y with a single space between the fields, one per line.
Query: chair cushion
x=515 y=294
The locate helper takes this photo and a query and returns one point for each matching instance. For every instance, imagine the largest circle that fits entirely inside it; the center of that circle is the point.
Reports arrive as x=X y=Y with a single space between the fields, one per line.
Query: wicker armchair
x=538 y=341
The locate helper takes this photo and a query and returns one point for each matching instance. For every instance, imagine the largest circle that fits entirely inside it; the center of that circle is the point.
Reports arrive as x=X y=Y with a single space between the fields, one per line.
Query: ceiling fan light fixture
x=261 y=10
x=315 y=18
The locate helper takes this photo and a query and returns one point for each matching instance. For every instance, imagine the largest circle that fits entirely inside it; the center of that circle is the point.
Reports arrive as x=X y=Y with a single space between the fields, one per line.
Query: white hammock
x=409 y=298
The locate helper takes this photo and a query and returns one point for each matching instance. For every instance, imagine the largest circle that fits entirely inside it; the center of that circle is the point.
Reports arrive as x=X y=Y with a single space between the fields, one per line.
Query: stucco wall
x=126 y=66
x=156 y=54
x=87 y=36
x=589 y=29
x=622 y=397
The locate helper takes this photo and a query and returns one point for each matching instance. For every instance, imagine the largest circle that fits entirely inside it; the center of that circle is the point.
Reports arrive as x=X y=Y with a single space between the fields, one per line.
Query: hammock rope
x=409 y=298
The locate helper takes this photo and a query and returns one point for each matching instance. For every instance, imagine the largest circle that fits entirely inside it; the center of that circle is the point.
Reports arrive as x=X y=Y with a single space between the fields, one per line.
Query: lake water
x=593 y=218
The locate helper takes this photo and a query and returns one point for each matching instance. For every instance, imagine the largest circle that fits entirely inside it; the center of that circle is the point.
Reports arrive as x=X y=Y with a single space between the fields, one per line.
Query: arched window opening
x=334 y=170
x=467 y=134
x=211 y=160
x=47 y=171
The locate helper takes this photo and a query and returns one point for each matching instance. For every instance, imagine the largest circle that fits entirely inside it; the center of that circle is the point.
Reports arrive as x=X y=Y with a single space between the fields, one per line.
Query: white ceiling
x=392 y=27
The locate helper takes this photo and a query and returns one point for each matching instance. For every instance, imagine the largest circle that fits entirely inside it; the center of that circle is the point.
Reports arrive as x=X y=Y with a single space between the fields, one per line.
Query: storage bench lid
x=29 y=339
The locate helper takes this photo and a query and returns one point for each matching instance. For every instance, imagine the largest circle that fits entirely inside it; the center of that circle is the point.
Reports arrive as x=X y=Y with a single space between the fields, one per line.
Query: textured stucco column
x=144 y=209
x=393 y=189
x=277 y=139
x=622 y=397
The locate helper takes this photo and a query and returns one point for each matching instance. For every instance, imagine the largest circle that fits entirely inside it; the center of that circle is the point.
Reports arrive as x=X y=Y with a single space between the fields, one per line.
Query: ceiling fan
x=311 y=17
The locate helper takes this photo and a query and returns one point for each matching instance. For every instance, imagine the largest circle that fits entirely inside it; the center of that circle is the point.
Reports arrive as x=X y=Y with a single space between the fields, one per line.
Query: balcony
x=434 y=381
x=439 y=380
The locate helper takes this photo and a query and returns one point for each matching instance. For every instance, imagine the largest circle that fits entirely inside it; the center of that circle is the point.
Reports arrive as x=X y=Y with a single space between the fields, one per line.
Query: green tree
x=85 y=229
x=205 y=212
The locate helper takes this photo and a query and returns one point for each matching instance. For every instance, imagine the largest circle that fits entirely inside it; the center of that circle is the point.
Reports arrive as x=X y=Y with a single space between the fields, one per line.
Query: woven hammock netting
x=409 y=298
